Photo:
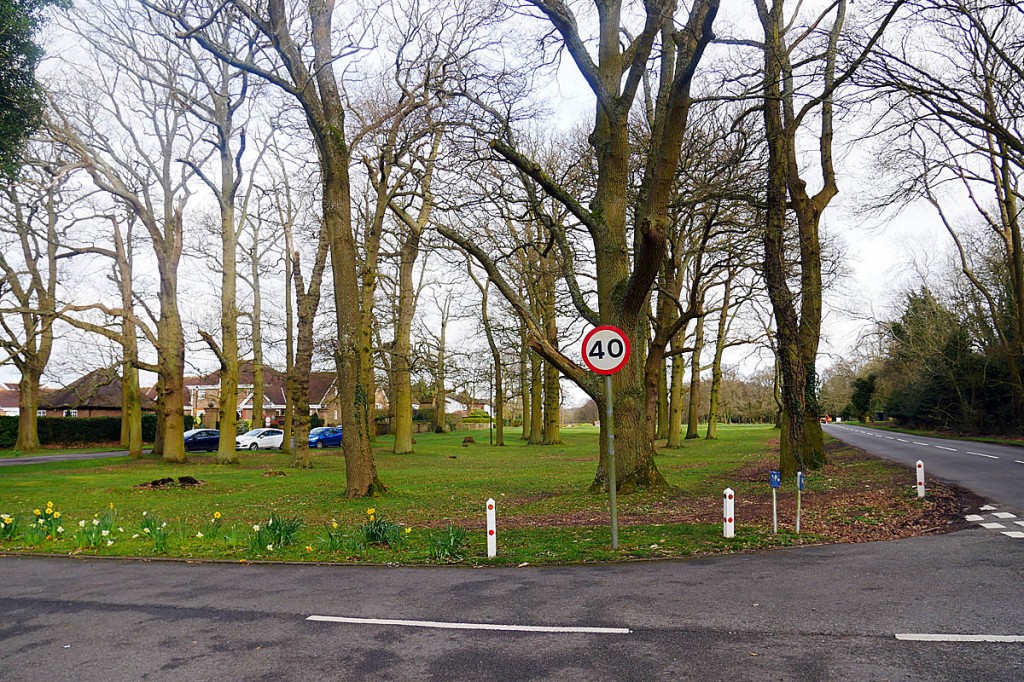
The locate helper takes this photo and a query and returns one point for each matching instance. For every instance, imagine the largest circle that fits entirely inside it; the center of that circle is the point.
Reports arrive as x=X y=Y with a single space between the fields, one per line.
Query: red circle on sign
x=730 y=497
x=730 y=519
x=490 y=506
x=490 y=532
x=619 y=363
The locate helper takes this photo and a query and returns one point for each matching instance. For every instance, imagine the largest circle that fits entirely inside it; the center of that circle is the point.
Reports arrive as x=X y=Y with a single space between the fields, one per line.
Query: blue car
x=325 y=437
x=201 y=439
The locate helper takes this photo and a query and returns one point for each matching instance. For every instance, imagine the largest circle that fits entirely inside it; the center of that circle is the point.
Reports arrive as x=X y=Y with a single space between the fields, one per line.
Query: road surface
x=995 y=472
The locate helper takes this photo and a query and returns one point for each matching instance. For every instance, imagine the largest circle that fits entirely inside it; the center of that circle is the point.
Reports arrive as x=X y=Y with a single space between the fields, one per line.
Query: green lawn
x=545 y=511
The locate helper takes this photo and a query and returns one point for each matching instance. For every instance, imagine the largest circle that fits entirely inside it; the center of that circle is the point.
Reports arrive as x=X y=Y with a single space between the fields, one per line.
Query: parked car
x=325 y=437
x=260 y=439
x=201 y=439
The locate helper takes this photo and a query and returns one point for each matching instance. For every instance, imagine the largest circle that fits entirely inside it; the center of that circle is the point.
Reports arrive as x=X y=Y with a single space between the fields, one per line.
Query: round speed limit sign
x=605 y=349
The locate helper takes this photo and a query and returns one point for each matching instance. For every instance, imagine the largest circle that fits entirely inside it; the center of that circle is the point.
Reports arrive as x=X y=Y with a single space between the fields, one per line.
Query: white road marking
x=1019 y=523
x=1014 y=533
x=916 y=443
x=471 y=626
x=992 y=526
x=911 y=637
x=889 y=438
x=974 y=517
x=981 y=454
x=1004 y=515
x=1018 y=461
x=987 y=507
x=903 y=440
x=942 y=447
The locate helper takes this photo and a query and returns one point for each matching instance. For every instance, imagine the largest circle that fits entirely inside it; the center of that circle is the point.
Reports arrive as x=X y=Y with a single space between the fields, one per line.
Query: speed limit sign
x=605 y=349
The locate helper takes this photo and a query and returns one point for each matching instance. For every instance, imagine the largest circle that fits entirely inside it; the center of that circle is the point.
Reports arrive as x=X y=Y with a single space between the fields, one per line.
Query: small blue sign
x=799 y=480
x=775 y=478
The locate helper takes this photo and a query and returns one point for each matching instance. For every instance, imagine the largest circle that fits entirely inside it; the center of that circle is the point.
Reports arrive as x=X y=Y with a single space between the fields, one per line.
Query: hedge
x=75 y=430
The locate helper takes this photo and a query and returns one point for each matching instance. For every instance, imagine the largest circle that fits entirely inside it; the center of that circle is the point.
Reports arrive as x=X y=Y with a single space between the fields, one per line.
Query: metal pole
x=611 y=458
x=775 y=514
x=490 y=415
x=798 y=511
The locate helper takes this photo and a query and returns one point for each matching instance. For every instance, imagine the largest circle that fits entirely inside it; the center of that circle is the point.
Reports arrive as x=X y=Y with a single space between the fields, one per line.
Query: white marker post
x=728 y=517
x=492 y=531
x=606 y=351
x=920 y=478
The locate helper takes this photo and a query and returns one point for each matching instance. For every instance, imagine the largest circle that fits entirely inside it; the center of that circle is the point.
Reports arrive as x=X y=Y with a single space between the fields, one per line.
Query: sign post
x=775 y=481
x=606 y=351
x=799 y=491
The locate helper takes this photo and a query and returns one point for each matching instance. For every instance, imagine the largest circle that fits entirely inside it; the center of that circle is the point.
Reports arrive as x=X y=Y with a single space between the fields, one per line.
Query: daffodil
x=146 y=531
x=135 y=535
x=60 y=529
x=334 y=524
x=199 y=534
x=120 y=529
x=49 y=510
x=111 y=505
x=36 y=512
x=309 y=548
x=81 y=524
x=145 y=513
x=104 y=532
x=371 y=511
x=256 y=528
x=109 y=543
x=49 y=504
x=408 y=530
x=56 y=515
x=216 y=514
x=270 y=548
x=95 y=522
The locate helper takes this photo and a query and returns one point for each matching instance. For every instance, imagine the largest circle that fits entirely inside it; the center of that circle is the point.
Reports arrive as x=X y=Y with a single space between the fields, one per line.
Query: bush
x=315 y=420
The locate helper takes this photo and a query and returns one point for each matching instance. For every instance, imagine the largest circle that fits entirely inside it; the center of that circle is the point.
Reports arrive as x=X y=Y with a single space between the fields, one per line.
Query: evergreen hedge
x=75 y=430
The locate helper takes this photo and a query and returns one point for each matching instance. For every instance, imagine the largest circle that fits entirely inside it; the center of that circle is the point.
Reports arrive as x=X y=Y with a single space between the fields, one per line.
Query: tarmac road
x=995 y=472
x=39 y=459
x=809 y=613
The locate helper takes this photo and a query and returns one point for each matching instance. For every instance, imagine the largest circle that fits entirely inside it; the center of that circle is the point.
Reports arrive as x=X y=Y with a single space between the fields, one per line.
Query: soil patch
x=162 y=483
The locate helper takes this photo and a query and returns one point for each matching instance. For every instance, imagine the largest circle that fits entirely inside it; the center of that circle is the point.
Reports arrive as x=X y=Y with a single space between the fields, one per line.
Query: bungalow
x=97 y=394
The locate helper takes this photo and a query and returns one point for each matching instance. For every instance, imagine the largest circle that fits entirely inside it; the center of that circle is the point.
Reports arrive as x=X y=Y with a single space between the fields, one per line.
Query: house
x=97 y=394
x=204 y=396
x=9 y=400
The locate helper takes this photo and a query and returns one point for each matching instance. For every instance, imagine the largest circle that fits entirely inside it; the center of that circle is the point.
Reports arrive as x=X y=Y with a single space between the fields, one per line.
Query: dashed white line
x=987 y=507
x=903 y=440
x=991 y=526
x=916 y=443
x=974 y=517
x=1014 y=534
x=981 y=454
x=1018 y=461
x=471 y=626
x=915 y=637
x=943 y=447
x=1004 y=515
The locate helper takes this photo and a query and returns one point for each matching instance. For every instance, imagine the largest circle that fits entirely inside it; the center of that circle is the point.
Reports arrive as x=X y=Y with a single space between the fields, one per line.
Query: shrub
x=379 y=531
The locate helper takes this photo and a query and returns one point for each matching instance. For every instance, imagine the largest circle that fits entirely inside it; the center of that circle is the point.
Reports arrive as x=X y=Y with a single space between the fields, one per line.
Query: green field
x=545 y=512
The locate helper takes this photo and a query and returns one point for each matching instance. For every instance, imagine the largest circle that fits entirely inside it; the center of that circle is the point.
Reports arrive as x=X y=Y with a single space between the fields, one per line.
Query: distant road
x=40 y=459
x=992 y=471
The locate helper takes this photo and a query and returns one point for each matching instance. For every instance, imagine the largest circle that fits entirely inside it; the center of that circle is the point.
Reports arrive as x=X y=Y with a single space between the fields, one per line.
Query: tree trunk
x=675 y=427
x=693 y=415
x=716 y=365
x=663 y=419
x=536 y=400
x=28 y=404
x=258 y=380
x=525 y=384
x=402 y=356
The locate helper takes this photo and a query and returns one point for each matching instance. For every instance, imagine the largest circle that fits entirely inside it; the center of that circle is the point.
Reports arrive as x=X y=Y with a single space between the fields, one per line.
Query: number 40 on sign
x=605 y=349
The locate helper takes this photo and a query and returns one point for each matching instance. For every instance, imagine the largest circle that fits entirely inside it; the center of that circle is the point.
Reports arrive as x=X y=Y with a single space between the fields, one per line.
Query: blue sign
x=775 y=478
x=799 y=480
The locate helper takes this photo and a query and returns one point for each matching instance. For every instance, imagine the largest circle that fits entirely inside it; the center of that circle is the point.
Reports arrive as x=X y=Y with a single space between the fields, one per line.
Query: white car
x=260 y=439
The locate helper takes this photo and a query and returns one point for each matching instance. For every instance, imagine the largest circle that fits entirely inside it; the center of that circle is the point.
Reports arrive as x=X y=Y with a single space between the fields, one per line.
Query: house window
x=335 y=415
x=70 y=413
x=40 y=413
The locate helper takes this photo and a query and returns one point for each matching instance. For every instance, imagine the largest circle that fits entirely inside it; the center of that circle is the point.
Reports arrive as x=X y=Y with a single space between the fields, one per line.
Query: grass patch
x=434 y=511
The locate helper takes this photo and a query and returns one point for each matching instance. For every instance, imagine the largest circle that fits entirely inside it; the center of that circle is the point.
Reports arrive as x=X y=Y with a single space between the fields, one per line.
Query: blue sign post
x=775 y=481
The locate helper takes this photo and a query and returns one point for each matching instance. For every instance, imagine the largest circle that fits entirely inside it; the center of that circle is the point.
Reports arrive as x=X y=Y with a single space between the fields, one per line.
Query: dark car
x=201 y=439
x=325 y=437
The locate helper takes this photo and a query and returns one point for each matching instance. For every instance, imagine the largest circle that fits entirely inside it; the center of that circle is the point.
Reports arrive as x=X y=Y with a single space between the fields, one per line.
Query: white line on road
x=1004 y=515
x=942 y=447
x=471 y=626
x=1018 y=461
x=981 y=454
x=912 y=637
x=916 y=443
x=903 y=440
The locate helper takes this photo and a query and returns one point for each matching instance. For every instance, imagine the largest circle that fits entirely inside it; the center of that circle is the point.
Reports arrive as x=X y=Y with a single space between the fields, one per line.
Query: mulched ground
x=854 y=498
